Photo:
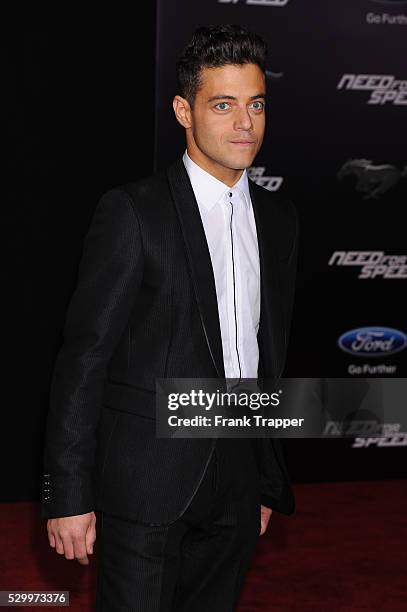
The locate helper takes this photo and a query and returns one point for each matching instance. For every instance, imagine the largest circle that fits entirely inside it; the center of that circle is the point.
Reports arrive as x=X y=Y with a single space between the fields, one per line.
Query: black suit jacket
x=145 y=307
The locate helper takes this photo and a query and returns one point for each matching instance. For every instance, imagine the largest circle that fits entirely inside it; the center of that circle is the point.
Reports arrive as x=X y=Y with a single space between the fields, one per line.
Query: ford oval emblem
x=372 y=341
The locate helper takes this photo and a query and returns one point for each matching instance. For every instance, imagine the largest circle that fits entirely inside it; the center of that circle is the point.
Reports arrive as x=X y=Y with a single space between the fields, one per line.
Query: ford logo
x=372 y=341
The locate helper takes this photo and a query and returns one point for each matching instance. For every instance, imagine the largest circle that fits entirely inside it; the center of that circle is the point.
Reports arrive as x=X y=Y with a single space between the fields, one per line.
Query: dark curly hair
x=217 y=45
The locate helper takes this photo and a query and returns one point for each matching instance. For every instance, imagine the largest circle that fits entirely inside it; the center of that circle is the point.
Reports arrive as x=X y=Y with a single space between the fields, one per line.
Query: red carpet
x=344 y=549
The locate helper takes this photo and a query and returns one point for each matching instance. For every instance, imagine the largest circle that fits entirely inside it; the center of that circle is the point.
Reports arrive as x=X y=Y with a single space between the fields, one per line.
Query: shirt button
x=230 y=194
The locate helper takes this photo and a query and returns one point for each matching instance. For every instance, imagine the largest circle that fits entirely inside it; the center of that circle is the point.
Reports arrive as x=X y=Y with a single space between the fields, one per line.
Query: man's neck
x=229 y=176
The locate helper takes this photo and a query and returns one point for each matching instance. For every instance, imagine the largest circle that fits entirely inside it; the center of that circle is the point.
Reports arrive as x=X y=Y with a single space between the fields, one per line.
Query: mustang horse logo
x=372 y=180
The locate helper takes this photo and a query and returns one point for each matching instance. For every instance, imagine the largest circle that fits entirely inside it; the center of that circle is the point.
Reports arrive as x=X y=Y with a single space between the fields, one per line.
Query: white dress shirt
x=230 y=229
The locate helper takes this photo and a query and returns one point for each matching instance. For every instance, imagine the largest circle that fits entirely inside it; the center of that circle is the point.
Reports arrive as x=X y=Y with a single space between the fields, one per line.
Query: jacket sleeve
x=275 y=486
x=276 y=491
x=109 y=275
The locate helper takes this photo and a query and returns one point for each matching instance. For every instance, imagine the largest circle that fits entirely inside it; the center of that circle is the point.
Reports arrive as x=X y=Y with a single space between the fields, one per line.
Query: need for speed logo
x=384 y=88
x=372 y=341
x=372 y=264
x=272 y=183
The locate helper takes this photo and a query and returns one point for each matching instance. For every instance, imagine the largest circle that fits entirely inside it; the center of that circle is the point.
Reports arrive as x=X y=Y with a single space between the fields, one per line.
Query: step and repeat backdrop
x=336 y=145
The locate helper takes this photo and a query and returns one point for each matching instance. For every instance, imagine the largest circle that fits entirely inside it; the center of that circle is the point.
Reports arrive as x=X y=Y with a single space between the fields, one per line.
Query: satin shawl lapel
x=271 y=333
x=199 y=259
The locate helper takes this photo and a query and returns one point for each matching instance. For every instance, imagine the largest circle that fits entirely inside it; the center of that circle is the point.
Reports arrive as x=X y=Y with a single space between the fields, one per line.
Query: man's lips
x=242 y=142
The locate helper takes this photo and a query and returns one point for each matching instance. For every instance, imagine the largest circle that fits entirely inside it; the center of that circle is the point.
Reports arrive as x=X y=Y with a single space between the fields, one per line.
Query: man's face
x=228 y=117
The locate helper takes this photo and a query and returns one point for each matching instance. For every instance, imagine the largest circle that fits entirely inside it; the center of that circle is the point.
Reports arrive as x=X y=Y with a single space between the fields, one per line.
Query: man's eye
x=222 y=106
x=258 y=105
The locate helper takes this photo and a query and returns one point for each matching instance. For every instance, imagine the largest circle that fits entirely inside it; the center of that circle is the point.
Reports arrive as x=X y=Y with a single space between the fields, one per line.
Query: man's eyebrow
x=225 y=97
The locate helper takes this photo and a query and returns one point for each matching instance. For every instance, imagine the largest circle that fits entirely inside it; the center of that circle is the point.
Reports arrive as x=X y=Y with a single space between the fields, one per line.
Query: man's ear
x=182 y=111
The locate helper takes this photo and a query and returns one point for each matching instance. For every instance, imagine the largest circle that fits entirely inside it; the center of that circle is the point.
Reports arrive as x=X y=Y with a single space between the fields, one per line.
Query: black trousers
x=196 y=564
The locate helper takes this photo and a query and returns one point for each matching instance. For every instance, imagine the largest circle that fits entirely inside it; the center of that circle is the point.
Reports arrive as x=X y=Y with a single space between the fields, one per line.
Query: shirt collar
x=209 y=190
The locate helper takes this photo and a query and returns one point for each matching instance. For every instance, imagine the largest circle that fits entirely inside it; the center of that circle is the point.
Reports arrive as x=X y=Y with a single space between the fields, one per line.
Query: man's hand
x=73 y=536
x=265 y=517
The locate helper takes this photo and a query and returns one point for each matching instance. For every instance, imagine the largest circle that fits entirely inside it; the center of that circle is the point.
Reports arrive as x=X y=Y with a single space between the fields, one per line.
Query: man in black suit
x=186 y=274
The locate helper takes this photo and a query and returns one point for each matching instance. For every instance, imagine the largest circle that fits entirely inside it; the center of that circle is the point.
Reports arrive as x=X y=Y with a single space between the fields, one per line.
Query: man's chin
x=242 y=166
x=240 y=163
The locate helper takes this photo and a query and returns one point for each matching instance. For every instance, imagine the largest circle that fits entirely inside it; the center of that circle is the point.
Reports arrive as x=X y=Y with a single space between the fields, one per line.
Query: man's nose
x=243 y=120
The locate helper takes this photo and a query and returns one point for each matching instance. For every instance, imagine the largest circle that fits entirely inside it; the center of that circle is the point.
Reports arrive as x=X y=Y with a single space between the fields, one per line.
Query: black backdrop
x=81 y=120
x=324 y=141
x=87 y=114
